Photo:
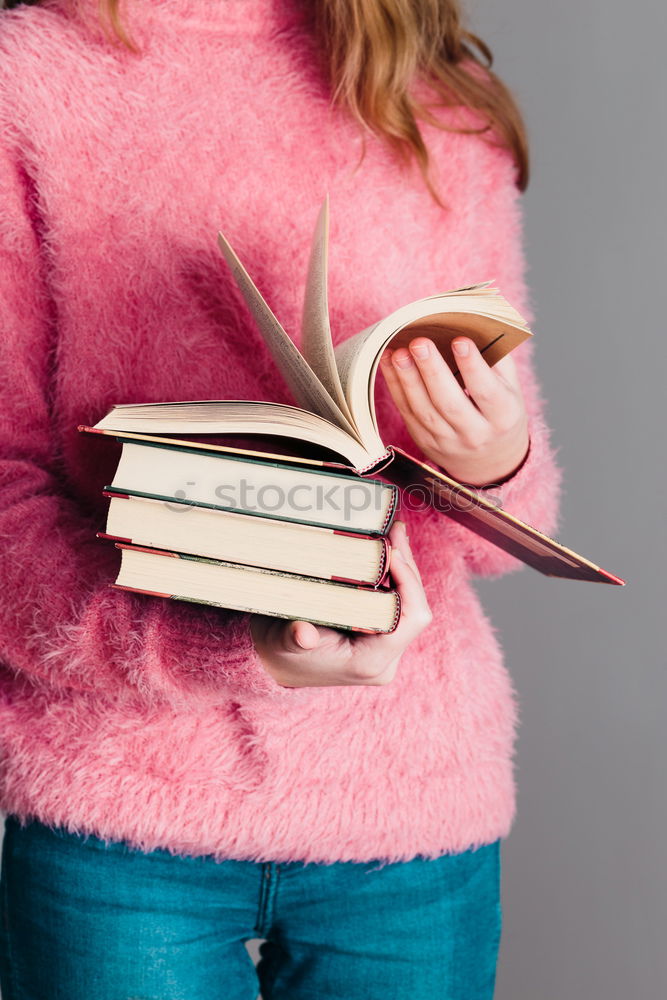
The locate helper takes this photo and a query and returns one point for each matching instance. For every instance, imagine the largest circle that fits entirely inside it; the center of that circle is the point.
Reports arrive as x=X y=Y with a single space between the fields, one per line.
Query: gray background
x=585 y=878
x=584 y=882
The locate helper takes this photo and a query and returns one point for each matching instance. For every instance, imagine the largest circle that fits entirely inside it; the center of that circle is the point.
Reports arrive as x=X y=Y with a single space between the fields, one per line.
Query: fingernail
x=385 y=358
x=403 y=360
x=297 y=640
x=461 y=347
x=420 y=350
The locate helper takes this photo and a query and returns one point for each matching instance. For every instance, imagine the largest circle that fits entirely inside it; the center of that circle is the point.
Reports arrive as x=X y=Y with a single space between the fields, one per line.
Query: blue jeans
x=87 y=921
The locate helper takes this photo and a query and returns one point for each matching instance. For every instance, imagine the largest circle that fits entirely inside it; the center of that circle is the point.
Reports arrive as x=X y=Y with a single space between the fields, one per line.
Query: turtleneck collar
x=229 y=16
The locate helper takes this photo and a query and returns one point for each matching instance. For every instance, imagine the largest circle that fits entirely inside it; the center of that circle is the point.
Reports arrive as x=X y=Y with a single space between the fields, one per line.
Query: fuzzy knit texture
x=152 y=721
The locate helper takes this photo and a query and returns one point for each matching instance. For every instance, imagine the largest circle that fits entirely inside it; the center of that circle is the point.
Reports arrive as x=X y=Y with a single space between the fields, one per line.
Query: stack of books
x=248 y=531
x=298 y=537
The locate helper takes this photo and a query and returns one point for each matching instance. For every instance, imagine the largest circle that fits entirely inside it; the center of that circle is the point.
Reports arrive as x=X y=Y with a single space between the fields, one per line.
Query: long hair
x=372 y=51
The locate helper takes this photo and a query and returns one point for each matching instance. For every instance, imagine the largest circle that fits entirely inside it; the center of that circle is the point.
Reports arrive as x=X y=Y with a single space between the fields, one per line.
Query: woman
x=179 y=779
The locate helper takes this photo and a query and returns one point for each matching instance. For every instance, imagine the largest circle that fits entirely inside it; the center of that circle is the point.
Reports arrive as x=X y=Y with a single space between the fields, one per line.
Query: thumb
x=299 y=636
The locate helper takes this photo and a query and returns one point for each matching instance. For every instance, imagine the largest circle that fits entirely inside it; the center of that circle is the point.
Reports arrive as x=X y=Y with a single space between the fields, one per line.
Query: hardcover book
x=258 y=590
x=290 y=547
x=334 y=391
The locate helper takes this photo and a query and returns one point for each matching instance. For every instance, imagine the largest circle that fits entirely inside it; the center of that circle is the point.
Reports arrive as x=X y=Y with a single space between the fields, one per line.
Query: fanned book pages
x=334 y=389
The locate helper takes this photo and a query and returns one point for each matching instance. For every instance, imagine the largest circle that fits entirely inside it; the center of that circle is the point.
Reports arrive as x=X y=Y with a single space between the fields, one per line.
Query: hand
x=300 y=654
x=478 y=434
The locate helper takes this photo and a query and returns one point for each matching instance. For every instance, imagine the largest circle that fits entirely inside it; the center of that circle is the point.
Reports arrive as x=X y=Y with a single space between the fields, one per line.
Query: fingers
x=302 y=635
x=370 y=652
x=285 y=637
x=398 y=536
x=415 y=612
x=300 y=653
x=407 y=376
x=394 y=384
x=423 y=365
x=425 y=389
x=489 y=392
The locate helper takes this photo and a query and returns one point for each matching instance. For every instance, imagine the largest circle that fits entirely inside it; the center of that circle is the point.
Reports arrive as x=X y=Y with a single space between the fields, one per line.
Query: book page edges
x=355 y=456
x=246 y=609
x=125 y=493
x=252 y=570
x=222 y=449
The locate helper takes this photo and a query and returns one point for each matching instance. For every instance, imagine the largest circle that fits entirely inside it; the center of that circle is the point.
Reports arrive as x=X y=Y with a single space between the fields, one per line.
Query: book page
x=303 y=383
x=238 y=416
x=316 y=342
x=346 y=353
x=479 y=312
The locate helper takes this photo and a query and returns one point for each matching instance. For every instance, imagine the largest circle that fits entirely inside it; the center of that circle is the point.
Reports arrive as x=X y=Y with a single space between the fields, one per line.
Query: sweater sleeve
x=61 y=624
x=533 y=492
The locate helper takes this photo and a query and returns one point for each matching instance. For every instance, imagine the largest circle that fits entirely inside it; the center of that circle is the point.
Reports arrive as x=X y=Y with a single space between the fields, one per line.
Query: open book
x=334 y=388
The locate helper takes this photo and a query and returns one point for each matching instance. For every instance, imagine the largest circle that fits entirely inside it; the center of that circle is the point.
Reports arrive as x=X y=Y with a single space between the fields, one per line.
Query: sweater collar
x=229 y=16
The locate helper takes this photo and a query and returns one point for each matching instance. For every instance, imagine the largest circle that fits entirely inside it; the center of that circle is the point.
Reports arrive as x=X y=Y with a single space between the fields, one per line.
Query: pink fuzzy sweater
x=152 y=721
